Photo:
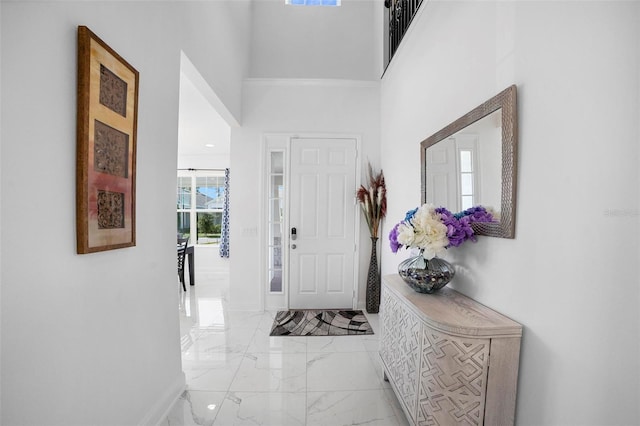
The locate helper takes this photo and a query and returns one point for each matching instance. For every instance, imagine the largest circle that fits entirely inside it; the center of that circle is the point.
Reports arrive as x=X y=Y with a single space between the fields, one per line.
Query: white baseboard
x=161 y=409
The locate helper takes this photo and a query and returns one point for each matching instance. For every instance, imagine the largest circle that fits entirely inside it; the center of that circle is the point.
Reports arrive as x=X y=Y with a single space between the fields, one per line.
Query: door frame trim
x=283 y=141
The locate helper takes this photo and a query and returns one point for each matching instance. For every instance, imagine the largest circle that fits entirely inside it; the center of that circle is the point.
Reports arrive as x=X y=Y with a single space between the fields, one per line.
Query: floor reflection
x=237 y=374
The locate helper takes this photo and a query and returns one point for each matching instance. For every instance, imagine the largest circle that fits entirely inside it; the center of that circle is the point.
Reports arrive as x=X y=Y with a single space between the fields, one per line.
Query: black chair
x=182 y=249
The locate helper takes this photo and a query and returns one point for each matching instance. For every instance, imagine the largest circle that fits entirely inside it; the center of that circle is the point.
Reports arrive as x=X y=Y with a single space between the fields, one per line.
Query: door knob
x=293 y=246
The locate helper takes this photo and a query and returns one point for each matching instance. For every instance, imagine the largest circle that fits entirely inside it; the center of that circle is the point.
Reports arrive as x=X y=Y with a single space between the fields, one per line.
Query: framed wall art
x=106 y=147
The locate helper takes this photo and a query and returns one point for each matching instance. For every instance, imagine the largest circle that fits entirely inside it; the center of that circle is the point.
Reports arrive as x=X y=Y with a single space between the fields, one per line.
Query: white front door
x=323 y=213
x=442 y=179
x=452 y=172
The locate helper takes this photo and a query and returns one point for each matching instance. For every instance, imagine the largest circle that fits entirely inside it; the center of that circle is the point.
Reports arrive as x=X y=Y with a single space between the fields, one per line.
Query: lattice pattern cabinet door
x=435 y=349
x=408 y=345
x=388 y=319
x=400 y=350
x=453 y=378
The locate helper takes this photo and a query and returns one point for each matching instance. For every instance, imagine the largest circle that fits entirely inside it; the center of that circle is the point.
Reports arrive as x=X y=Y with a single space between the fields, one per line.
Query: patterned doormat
x=320 y=323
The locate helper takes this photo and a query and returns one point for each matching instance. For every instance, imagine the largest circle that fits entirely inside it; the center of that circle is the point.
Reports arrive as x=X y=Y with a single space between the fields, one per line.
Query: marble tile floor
x=238 y=375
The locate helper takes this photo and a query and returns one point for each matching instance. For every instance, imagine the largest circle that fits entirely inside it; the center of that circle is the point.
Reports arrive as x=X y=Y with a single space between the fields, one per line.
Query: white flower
x=430 y=232
x=405 y=235
x=432 y=251
x=494 y=213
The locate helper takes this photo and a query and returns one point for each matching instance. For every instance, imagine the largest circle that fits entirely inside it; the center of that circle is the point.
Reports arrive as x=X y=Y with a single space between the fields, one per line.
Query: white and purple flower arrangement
x=432 y=230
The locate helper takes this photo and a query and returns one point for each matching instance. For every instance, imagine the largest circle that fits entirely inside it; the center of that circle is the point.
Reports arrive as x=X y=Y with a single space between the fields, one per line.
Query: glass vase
x=426 y=276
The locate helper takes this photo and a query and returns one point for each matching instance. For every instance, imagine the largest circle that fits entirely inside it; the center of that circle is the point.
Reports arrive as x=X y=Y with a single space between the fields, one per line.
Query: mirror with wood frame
x=473 y=161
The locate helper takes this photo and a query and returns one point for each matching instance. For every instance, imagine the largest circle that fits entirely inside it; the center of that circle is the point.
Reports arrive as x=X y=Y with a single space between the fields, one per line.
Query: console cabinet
x=450 y=360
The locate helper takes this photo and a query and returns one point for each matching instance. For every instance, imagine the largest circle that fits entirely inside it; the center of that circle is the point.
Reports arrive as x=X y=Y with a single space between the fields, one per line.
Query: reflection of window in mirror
x=464 y=170
x=466 y=178
x=452 y=172
x=468 y=186
x=489 y=160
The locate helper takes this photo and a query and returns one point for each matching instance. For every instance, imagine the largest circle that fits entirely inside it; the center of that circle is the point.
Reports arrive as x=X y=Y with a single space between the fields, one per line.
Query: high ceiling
x=199 y=124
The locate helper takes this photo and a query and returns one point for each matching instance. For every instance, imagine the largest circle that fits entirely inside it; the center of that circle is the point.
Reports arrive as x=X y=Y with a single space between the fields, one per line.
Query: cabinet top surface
x=453 y=312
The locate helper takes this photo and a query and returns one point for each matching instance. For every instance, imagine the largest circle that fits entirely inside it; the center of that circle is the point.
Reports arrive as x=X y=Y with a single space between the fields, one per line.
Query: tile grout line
x=228 y=391
x=256 y=332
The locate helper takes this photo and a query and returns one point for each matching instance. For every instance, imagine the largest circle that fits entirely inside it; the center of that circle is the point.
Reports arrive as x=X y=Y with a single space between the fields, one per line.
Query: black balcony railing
x=401 y=13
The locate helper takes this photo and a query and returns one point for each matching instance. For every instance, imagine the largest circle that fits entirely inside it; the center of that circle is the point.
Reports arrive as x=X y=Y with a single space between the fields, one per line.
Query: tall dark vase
x=373 y=280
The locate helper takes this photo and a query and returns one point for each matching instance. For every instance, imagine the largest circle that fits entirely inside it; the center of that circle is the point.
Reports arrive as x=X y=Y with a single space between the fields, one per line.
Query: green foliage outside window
x=209 y=227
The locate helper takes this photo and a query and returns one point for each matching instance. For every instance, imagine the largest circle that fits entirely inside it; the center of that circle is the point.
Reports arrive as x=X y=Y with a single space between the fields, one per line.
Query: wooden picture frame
x=106 y=147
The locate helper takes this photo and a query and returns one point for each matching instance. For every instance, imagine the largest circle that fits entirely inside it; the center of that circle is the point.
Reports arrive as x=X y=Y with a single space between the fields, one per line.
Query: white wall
x=315 y=42
x=94 y=339
x=570 y=276
x=203 y=162
x=282 y=106
x=219 y=34
x=0 y=213
x=200 y=124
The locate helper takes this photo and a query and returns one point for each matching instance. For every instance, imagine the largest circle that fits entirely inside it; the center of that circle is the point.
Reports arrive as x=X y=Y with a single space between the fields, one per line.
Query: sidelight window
x=276 y=220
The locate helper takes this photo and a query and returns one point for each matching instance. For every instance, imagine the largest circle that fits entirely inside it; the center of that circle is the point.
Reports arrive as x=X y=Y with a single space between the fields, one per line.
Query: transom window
x=313 y=2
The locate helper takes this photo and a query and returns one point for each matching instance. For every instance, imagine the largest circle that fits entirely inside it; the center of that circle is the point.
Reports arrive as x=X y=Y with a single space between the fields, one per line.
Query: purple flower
x=476 y=214
x=444 y=211
x=465 y=227
x=458 y=229
x=480 y=214
x=393 y=239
